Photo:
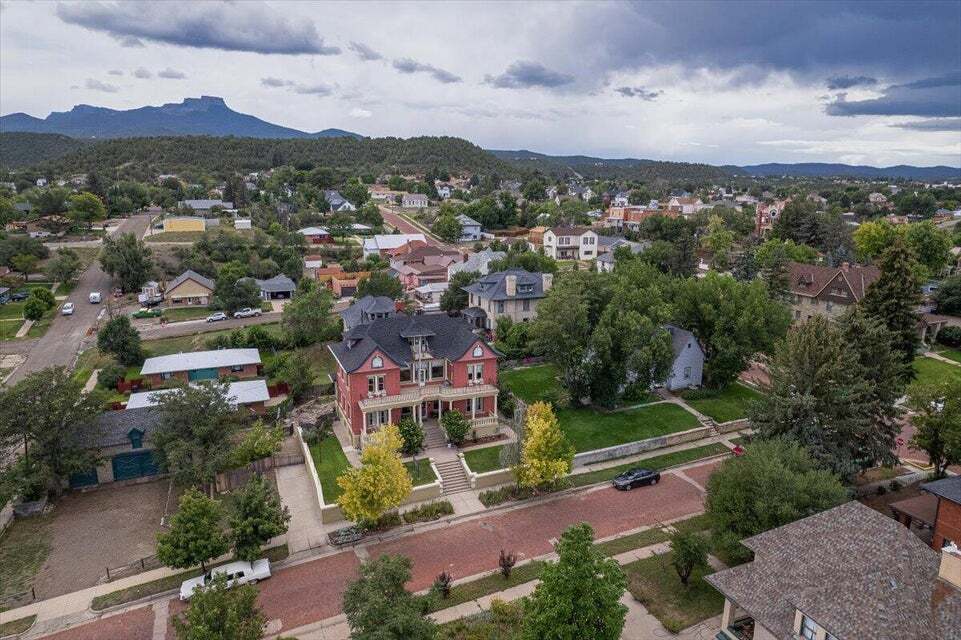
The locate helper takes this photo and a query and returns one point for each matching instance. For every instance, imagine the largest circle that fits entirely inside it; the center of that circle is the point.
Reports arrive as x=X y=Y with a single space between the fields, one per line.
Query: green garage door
x=86 y=478
x=202 y=374
x=134 y=465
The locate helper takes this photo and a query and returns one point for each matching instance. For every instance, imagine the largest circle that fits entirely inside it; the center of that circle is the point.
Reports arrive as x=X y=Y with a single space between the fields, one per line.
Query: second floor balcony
x=427 y=392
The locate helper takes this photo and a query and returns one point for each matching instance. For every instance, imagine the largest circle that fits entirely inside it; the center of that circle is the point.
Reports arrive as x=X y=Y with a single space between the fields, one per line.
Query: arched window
x=478 y=352
x=377 y=362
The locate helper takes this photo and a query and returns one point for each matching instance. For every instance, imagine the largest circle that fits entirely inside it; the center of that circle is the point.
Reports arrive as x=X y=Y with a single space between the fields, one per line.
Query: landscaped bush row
x=428 y=512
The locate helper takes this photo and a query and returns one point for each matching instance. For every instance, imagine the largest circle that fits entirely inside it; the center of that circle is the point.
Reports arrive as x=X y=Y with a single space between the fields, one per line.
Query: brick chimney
x=548 y=281
x=845 y=266
x=950 y=570
x=511 y=283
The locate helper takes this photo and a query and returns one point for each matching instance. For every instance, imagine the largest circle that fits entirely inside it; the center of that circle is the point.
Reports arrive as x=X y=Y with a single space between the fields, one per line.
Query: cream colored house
x=570 y=243
x=514 y=293
x=190 y=288
x=185 y=223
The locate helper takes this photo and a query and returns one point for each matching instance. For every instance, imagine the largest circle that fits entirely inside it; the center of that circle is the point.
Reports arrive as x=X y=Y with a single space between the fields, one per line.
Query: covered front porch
x=737 y=624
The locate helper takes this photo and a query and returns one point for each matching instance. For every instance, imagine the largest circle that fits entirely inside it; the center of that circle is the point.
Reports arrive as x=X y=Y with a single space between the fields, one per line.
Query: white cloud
x=357 y=112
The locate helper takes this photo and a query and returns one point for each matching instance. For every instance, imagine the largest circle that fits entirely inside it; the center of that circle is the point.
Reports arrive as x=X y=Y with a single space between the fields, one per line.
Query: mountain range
x=210 y=116
x=206 y=115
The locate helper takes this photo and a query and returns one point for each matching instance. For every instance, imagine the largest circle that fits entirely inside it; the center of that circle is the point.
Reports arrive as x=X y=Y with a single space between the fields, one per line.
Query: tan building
x=570 y=243
x=190 y=288
x=849 y=573
x=514 y=293
x=827 y=291
x=185 y=223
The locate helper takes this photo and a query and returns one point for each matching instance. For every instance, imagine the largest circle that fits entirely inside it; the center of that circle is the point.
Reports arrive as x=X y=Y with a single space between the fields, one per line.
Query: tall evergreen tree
x=820 y=397
x=894 y=299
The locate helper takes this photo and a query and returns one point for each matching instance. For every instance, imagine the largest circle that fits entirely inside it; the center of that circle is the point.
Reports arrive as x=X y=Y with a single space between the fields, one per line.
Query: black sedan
x=17 y=296
x=635 y=478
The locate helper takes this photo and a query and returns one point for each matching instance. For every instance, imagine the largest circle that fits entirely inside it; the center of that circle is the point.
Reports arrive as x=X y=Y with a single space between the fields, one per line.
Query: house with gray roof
x=122 y=442
x=848 y=573
x=201 y=365
x=416 y=366
x=366 y=310
x=338 y=202
x=514 y=293
x=277 y=288
x=204 y=207
x=607 y=245
x=251 y=394
x=470 y=229
x=190 y=288
x=477 y=262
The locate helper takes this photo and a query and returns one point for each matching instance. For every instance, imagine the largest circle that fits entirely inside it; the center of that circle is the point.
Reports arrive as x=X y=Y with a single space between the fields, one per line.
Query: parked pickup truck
x=237 y=573
x=246 y=312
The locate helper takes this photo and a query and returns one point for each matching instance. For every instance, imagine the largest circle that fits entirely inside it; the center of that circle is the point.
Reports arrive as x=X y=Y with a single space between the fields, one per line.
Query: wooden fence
x=230 y=480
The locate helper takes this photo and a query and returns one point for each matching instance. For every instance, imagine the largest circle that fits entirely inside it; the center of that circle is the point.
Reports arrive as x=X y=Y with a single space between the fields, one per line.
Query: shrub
x=950 y=336
x=44 y=295
x=506 y=403
x=387 y=521
x=456 y=426
x=412 y=435
x=110 y=375
x=428 y=512
x=506 y=562
x=442 y=585
x=34 y=308
x=688 y=552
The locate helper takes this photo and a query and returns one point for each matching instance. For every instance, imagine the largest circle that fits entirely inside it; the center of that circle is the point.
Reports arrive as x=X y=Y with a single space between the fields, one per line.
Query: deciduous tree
x=378 y=607
x=938 y=421
x=307 y=317
x=688 y=552
x=546 y=456
x=221 y=613
x=64 y=266
x=128 y=260
x=447 y=228
x=119 y=338
x=454 y=297
x=381 y=482
x=257 y=517
x=196 y=534
x=579 y=595
x=380 y=283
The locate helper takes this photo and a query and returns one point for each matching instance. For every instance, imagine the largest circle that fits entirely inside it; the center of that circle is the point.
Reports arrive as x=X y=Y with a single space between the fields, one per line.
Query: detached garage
x=123 y=440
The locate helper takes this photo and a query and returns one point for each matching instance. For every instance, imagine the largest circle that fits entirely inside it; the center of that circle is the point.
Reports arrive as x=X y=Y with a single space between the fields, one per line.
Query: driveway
x=87 y=532
x=59 y=346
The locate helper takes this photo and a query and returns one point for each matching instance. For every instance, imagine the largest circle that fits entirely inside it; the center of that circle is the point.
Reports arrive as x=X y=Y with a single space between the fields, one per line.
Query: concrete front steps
x=434 y=436
x=453 y=476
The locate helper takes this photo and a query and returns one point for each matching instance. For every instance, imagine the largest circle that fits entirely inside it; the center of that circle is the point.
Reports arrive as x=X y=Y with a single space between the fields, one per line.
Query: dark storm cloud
x=407 y=65
x=524 y=74
x=142 y=73
x=847 y=82
x=638 y=92
x=364 y=52
x=931 y=97
x=935 y=124
x=228 y=27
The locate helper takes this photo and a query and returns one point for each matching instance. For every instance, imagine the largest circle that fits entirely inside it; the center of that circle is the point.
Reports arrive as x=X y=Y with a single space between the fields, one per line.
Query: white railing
x=428 y=392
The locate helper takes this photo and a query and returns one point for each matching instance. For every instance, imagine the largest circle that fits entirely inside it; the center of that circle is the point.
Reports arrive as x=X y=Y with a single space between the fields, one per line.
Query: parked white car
x=67 y=309
x=95 y=297
x=237 y=573
x=246 y=312
x=217 y=317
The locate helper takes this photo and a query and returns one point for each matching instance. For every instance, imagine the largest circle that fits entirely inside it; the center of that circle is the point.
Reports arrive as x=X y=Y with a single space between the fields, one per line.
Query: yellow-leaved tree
x=546 y=456
x=380 y=484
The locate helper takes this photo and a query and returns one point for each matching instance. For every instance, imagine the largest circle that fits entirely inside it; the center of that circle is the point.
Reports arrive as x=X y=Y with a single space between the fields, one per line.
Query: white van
x=95 y=297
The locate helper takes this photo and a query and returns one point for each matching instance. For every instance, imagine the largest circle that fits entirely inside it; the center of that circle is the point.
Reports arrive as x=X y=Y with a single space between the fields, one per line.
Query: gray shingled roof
x=191 y=275
x=947 y=488
x=448 y=338
x=112 y=428
x=679 y=338
x=277 y=284
x=494 y=286
x=354 y=314
x=854 y=571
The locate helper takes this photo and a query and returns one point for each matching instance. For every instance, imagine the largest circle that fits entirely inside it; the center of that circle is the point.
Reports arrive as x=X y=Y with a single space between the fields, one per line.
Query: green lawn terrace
x=931 y=371
x=730 y=403
x=588 y=428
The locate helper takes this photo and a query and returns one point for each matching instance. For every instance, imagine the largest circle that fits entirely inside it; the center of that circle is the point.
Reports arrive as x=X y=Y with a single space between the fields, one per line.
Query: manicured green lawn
x=484 y=459
x=654 y=583
x=656 y=463
x=330 y=461
x=421 y=473
x=531 y=384
x=179 y=314
x=175 y=236
x=14 y=627
x=588 y=429
x=730 y=403
x=948 y=352
x=195 y=342
x=11 y=311
x=930 y=370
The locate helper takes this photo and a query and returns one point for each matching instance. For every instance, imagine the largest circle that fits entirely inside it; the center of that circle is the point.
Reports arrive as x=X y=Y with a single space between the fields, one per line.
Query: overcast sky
x=725 y=82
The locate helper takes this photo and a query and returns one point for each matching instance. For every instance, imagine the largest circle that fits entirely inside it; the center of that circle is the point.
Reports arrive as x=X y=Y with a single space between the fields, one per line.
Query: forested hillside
x=590 y=168
x=145 y=158
x=26 y=149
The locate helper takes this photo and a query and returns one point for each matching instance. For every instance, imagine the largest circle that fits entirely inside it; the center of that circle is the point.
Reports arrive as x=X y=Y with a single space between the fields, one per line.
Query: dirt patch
x=88 y=532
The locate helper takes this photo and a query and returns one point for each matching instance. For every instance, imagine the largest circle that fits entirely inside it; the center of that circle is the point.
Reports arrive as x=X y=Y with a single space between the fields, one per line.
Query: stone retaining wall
x=639 y=446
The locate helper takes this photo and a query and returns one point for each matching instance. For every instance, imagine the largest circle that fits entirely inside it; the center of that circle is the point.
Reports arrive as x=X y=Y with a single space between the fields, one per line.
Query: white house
x=414 y=201
x=443 y=191
x=470 y=229
x=41 y=182
x=688 y=365
x=382 y=243
x=621 y=199
x=570 y=243
x=338 y=202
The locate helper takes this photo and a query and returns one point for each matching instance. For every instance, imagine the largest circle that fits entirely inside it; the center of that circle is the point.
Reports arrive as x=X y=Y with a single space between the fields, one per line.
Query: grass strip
x=136 y=592
x=656 y=463
x=14 y=627
x=654 y=583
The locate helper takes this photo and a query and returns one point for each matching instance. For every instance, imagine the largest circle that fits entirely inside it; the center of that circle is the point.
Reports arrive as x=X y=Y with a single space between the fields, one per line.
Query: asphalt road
x=59 y=346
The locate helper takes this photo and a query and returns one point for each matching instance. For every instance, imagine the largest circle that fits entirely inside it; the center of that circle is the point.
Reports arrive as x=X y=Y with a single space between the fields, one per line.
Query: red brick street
x=312 y=591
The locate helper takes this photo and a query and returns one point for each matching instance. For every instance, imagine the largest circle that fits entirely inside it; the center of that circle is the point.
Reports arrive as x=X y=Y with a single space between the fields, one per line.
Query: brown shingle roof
x=854 y=571
x=810 y=279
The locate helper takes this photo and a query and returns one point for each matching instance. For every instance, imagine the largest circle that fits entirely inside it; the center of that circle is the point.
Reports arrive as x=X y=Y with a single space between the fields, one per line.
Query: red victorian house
x=418 y=366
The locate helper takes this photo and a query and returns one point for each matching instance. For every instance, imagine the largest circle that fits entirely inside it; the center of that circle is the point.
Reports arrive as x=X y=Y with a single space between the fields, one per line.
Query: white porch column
x=495 y=405
x=473 y=409
x=440 y=409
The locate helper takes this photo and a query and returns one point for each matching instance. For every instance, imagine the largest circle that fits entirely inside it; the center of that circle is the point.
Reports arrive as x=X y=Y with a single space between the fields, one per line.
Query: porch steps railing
x=453 y=476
